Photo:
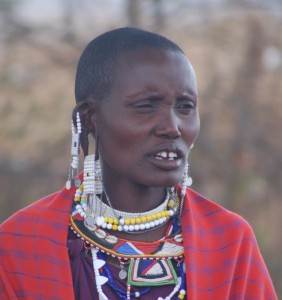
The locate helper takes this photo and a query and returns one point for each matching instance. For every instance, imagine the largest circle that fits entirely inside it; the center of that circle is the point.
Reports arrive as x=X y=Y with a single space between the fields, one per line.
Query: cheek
x=191 y=131
x=118 y=140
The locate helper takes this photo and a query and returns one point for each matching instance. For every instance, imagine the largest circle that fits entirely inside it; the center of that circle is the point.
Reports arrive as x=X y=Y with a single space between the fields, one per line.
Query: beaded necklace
x=149 y=264
x=104 y=216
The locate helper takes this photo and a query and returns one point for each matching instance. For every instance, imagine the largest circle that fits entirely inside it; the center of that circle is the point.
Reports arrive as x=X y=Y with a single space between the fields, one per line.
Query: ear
x=86 y=110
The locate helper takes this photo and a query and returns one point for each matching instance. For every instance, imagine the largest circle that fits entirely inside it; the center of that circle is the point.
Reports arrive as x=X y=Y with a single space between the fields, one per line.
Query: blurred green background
x=236 y=49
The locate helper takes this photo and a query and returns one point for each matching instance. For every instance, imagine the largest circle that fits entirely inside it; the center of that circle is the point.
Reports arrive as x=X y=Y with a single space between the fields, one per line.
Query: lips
x=167 y=157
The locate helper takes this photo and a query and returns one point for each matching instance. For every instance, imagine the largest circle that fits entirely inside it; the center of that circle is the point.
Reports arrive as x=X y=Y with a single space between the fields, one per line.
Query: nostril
x=168 y=129
x=168 y=126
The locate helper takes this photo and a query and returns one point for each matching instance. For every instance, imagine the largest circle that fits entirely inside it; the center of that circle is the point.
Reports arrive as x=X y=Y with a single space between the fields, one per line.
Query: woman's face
x=150 y=120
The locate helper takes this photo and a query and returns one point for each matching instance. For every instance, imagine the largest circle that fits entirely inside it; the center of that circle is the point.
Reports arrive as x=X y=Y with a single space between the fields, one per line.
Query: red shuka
x=221 y=254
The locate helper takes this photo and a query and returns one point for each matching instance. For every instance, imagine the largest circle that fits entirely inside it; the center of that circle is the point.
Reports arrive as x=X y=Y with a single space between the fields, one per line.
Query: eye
x=143 y=107
x=185 y=106
x=147 y=105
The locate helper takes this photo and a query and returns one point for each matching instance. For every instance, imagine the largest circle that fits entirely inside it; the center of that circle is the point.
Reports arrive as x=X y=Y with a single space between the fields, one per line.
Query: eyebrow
x=152 y=92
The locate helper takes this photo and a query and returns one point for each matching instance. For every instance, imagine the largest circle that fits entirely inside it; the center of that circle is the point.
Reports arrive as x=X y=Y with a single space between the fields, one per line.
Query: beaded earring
x=75 y=146
x=187 y=180
x=92 y=186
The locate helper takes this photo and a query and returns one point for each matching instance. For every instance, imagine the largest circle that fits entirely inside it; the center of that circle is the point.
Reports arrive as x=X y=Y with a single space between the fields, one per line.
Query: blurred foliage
x=236 y=49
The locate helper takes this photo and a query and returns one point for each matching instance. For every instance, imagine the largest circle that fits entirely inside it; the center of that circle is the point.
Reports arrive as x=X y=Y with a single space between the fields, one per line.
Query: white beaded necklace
x=105 y=216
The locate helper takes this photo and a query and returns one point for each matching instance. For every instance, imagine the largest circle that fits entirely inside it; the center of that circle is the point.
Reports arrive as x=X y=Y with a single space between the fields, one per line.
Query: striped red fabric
x=222 y=257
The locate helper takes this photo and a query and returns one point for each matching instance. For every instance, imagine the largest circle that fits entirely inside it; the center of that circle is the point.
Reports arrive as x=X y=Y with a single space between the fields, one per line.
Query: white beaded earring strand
x=75 y=144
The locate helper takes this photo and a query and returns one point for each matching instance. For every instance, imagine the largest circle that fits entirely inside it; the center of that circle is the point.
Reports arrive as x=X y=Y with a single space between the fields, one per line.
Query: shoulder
x=46 y=212
x=223 y=243
x=26 y=214
x=213 y=217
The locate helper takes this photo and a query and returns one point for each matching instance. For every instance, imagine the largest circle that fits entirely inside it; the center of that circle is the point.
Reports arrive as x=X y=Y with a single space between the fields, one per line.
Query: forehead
x=151 y=65
x=155 y=56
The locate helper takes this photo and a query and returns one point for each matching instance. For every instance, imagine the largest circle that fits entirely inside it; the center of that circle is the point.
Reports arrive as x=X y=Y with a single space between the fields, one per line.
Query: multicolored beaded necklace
x=150 y=264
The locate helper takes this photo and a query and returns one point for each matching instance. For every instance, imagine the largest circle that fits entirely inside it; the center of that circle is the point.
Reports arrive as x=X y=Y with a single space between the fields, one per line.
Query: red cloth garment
x=221 y=254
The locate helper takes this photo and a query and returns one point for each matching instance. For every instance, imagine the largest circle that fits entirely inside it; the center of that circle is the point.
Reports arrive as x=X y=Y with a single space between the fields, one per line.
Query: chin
x=166 y=182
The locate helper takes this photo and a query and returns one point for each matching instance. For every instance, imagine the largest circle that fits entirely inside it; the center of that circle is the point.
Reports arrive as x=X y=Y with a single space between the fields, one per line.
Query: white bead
x=125 y=227
x=142 y=226
x=189 y=181
x=119 y=228
x=104 y=225
x=157 y=222
x=102 y=296
x=136 y=227
x=109 y=226
x=147 y=225
x=100 y=280
x=100 y=220
x=182 y=292
x=121 y=221
x=98 y=263
x=171 y=213
x=152 y=224
x=131 y=228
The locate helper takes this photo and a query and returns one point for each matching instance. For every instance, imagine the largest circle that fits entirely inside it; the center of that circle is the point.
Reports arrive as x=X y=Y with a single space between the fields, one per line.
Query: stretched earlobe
x=86 y=111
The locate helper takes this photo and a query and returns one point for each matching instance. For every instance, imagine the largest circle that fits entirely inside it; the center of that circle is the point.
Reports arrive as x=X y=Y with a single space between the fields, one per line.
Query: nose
x=168 y=125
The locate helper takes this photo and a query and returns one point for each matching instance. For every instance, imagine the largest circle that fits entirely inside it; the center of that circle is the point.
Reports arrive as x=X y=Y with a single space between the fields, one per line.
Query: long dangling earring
x=75 y=146
x=92 y=185
x=186 y=181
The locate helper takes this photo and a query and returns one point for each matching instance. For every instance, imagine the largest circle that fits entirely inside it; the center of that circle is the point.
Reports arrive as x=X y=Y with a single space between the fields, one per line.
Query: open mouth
x=166 y=155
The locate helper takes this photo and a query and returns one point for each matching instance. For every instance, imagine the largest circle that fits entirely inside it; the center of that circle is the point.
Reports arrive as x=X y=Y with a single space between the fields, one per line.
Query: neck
x=128 y=197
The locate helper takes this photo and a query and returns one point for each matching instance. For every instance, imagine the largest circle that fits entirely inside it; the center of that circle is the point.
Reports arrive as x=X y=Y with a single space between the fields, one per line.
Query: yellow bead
x=76 y=199
x=111 y=220
x=127 y=221
x=106 y=219
x=163 y=214
x=138 y=220
x=143 y=219
x=154 y=217
x=132 y=221
x=167 y=213
x=170 y=204
x=159 y=215
x=180 y=296
x=115 y=227
x=149 y=218
x=115 y=221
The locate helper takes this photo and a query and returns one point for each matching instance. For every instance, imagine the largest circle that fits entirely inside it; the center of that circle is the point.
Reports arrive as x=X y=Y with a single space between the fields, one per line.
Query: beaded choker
x=104 y=216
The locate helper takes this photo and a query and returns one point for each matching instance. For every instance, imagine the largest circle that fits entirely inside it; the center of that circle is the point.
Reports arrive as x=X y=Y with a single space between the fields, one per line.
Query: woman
x=129 y=227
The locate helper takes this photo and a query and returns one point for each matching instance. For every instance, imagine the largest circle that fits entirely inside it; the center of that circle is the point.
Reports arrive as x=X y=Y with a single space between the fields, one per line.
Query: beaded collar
x=166 y=248
x=149 y=263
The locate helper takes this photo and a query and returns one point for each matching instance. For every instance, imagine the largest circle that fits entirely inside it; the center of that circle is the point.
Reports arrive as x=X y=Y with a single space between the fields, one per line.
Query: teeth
x=165 y=155
x=172 y=155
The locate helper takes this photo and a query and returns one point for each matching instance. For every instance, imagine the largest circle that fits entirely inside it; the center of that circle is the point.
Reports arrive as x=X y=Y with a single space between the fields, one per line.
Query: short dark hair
x=97 y=65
